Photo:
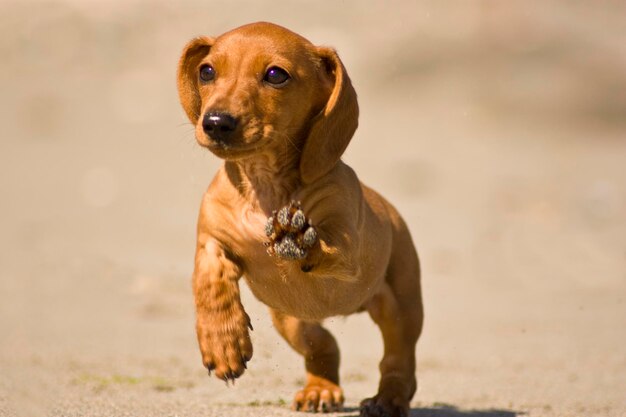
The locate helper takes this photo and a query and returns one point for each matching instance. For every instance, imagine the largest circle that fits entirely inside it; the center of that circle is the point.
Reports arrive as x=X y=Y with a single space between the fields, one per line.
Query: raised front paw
x=290 y=234
x=225 y=344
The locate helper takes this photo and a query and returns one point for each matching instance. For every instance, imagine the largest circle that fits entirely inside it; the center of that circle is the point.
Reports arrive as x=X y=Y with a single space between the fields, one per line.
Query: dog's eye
x=277 y=77
x=207 y=73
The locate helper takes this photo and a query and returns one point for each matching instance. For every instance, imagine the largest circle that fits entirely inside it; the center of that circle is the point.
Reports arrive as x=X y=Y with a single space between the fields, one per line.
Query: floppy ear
x=193 y=53
x=333 y=128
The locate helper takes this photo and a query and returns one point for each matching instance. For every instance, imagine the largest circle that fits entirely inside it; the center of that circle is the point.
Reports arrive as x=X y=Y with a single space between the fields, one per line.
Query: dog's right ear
x=193 y=53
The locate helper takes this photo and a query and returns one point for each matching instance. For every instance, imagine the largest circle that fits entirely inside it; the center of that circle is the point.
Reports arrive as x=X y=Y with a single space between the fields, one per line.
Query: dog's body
x=339 y=289
x=281 y=111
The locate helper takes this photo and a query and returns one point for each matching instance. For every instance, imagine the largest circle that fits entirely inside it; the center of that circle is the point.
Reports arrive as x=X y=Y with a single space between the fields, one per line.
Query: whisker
x=292 y=143
x=185 y=124
x=285 y=136
x=187 y=135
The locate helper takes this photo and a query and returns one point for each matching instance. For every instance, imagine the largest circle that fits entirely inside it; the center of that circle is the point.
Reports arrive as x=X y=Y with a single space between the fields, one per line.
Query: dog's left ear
x=192 y=55
x=333 y=128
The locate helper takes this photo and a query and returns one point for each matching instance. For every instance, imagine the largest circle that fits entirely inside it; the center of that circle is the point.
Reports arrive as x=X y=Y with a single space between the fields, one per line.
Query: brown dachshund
x=287 y=214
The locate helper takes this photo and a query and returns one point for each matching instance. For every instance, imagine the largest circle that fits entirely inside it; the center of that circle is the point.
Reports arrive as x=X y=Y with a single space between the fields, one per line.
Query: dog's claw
x=324 y=407
x=210 y=367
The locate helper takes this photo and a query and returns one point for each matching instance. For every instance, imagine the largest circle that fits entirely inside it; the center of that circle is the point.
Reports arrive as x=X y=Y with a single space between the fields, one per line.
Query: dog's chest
x=281 y=284
x=247 y=237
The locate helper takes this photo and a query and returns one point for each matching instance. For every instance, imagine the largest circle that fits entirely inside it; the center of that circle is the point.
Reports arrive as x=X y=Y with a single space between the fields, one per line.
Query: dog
x=289 y=216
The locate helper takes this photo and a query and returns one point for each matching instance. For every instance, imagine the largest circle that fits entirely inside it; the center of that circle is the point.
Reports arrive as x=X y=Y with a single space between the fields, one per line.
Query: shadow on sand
x=448 y=411
x=451 y=411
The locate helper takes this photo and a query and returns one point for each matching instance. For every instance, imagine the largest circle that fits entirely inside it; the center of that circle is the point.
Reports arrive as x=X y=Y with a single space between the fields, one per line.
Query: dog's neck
x=266 y=181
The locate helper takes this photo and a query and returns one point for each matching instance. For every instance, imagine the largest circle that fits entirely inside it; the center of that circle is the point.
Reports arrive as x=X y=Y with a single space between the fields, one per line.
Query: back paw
x=384 y=406
x=324 y=396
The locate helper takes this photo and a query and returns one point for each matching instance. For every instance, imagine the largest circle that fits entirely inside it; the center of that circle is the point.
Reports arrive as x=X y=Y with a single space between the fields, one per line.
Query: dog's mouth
x=250 y=137
x=231 y=149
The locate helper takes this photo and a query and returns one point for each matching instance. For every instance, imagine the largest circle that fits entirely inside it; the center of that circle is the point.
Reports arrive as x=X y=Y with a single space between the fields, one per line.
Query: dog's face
x=257 y=87
x=260 y=87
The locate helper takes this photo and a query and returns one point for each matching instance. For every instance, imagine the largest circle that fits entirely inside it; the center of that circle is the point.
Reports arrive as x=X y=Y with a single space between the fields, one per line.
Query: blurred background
x=497 y=128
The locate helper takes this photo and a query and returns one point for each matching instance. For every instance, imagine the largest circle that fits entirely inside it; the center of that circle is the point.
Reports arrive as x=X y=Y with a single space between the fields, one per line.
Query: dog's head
x=260 y=86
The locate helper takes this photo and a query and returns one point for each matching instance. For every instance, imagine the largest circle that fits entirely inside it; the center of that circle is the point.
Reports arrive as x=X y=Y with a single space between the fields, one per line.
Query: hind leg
x=397 y=310
x=321 y=359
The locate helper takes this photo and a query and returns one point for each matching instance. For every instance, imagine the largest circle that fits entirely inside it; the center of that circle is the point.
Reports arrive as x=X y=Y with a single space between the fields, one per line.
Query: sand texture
x=498 y=129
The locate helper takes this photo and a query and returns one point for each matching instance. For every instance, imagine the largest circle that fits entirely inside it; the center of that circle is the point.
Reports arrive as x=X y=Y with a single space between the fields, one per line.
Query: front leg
x=221 y=322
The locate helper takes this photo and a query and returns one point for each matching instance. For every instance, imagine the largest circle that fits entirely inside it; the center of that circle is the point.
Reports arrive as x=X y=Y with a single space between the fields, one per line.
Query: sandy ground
x=498 y=130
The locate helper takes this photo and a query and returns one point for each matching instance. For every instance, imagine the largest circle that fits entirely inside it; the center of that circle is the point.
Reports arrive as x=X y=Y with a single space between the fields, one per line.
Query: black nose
x=219 y=126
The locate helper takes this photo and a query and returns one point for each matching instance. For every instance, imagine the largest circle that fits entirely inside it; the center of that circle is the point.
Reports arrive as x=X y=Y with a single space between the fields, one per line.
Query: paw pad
x=290 y=233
